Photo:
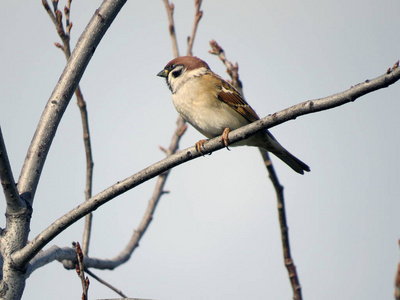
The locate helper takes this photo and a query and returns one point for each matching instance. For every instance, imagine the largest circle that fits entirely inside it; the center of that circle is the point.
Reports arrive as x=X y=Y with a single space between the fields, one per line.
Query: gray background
x=216 y=235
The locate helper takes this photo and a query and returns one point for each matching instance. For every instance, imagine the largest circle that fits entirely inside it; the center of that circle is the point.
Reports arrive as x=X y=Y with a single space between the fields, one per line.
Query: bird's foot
x=225 y=138
x=200 y=146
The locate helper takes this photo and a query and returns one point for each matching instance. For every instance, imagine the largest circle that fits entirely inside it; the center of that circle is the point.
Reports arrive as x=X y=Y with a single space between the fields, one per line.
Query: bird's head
x=182 y=69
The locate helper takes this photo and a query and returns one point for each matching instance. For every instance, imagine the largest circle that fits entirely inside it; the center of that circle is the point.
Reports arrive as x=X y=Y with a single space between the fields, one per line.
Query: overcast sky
x=216 y=234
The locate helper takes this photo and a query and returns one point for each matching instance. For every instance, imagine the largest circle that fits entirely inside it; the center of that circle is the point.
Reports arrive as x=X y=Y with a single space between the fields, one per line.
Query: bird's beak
x=163 y=73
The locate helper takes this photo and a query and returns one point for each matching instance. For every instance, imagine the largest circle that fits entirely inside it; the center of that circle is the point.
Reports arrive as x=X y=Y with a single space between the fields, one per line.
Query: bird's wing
x=229 y=95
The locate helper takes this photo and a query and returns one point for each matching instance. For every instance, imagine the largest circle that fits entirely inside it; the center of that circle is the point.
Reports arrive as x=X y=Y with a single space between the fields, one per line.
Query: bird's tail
x=272 y=145
x=292 y=161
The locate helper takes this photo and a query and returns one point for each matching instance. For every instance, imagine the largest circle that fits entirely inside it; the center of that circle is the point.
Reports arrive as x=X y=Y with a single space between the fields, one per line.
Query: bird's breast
x=199 y=105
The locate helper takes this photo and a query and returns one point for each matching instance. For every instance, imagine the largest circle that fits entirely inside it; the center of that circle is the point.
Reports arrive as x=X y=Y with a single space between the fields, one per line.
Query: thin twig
x=293 y=277
x=232 y=70
x=170 y=12
x=288 y=260
x=311 y=106
x=14 y=202
x=89 y=168
x=102 y=281
x=65 y=38
x=68 y=23
x=159 y=188
x=197 y=18
x=81 y=272
x=56 y=17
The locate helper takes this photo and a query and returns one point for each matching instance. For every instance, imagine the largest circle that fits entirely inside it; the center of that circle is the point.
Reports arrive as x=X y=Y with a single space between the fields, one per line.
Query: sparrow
x=214 y=107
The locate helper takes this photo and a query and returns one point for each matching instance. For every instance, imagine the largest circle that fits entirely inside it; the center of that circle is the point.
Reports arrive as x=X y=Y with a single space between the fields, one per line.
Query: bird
x=214 y=107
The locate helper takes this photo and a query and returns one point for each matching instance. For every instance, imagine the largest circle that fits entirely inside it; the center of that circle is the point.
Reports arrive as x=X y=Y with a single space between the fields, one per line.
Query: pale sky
x=216 y=234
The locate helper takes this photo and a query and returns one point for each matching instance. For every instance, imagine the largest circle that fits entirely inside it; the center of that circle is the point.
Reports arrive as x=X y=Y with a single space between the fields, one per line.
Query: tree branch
x=81 y=272
x=289 y=264
x=62 y=93
x=158 y=192
x=197 y=18
x=65 y=38
x=170 y=13
x=111 y=287
x=14 y=202
x=293 y=277
x=49 y=255
x=89 y=168
x=56 y=17
x=291 y=113
x=232 y=70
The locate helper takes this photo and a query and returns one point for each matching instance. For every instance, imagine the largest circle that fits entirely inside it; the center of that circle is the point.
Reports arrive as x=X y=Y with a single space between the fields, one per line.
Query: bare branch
x=84 y=117
x=293 y=277
x=81 y=272
x=197 y=18
x=291 y=268
x=49 y=11
x=56 y=17
x=102 y=281
x=55 y=4
x=89 y=168
x=62 y=93
x=232 y=70
x=170 y=13
x=47 y=256
x=68 y=22
x=159 y=189
x=14 y=202
x=291 y=113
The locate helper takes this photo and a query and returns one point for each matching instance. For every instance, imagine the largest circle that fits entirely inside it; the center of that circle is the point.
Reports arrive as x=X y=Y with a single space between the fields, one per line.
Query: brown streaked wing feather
x=229 y=95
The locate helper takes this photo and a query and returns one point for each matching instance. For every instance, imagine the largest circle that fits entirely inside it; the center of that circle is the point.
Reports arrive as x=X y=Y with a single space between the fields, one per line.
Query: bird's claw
x=200 y=145
x=225 y=138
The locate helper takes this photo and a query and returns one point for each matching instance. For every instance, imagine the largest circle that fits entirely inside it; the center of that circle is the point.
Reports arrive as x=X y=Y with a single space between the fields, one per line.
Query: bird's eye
x=176 y=71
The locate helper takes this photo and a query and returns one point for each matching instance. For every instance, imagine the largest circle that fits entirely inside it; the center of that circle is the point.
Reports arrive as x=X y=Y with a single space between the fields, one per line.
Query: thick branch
x=49 y=255
x=14 y=202
x=59 y=99
x=285 y=115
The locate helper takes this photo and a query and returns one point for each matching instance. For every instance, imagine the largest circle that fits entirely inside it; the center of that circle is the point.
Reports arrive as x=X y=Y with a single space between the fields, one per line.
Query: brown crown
x=190 y=62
